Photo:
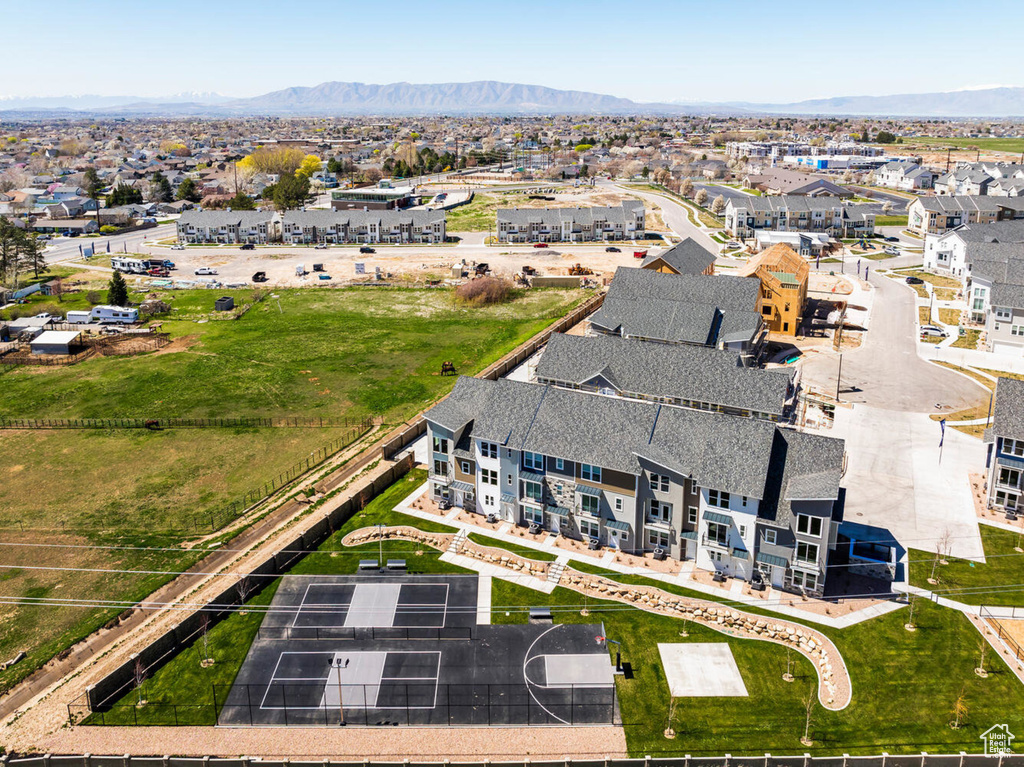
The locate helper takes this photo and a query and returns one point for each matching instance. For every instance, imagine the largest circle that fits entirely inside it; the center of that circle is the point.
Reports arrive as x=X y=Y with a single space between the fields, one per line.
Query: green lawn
x=999 y=581
x=903 y=684
x=883 y=220
x=523 y=551
x=323 y=352
x=968 y=340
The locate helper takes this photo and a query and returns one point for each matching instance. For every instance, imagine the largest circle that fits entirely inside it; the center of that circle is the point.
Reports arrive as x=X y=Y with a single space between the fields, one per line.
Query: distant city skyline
x=660 y=51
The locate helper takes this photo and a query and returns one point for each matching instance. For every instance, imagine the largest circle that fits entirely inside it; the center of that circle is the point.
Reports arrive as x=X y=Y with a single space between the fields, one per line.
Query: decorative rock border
x=834 y=686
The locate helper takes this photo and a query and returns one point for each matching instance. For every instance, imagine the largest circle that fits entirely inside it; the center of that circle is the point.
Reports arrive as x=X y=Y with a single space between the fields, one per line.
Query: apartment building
x=783 y=275
x=720 y=312
x=788 y=213
x=686 y=257
x=982 y=178
x=905 y=176
x=695 y=377
x=1005 y=441
x=624 y=222
x=935 y=215
x=741 y=496
x=226 y=226
x=344 y=226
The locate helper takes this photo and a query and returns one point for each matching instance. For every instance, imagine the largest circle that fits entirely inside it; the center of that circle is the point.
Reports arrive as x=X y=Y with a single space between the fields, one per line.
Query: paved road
x=886 y=370
x=674 y=214
x=714 y=190
x=899 y=202
x=67 y=248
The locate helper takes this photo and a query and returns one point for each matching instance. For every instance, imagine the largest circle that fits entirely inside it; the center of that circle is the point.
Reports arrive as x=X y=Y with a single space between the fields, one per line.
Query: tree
x=92 y=183
x=123 y=194
x=686 y=188
x=10 y=246
x=310 y=165
x=241 y=201
x=187 y=191
x=809 y=710
x=718 y=205
x=160 y=188
x=139 y=675
x=702 y=197
x=885 y=137
x=117 y=291
x=958 y=716
x=30 y=255
x=204 y=628
x=289 y=192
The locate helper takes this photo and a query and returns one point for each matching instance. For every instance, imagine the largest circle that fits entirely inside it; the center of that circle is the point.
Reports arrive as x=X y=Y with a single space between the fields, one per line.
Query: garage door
x=1008 y=349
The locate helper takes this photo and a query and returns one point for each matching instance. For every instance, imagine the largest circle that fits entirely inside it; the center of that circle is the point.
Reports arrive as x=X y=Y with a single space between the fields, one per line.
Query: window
x=440 y=445
x=441 y=468
x=559 y=464
x=770 y=536
x=806 y=552
x=808 y=581
x=590 y=504
x=532 y=514
x=590 y=528
x=744 y=501
x=1017 y=330
x=618 y=504
x=464 y=467
x=489 y=477
x=691 y=515
x=718 y=534
x=1009 y=477
x=534 y=461
x=593 y=473
x=660 y=512
x=488 y=450
x=808 y=525
x=1006 y=500
x=718 y=498
x=659 y=482
x=743 y=531
x=508 y=479
x=658 y=538
x=533 y=491
x=488 y=500
x=1013 y=447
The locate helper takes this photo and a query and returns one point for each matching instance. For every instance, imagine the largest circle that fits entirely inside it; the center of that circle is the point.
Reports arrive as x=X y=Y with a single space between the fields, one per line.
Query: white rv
x=129 y=265
x=117 y=315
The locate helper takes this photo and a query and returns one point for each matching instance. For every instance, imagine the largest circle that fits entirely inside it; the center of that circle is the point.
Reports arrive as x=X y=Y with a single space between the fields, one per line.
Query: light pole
x=337 y=664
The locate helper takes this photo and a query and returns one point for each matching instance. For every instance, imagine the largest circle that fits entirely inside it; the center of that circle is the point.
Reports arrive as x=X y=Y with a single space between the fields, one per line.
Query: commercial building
x=382 y=197
x=740 y=496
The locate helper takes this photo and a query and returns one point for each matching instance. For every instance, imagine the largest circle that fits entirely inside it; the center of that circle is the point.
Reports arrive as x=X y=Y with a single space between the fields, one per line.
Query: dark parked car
x=248 y=246
x=915 y=281
x=611 y=249
x=891 y=239
x=367 y=249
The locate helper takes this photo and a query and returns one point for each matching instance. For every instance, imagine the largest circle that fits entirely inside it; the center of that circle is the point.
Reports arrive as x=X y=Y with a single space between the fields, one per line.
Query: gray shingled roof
x=219 y=218
x=359 y=218
x=661 y=370
x=1008 y=412
x=553 y=217
x=686 y=257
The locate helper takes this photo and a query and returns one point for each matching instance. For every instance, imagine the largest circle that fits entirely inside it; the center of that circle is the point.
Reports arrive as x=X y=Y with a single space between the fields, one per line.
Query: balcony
x=714 y=543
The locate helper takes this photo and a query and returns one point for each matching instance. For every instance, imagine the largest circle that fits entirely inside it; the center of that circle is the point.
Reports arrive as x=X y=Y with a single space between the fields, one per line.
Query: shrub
x=484 y=291
x=93 y=297
x=108 y=229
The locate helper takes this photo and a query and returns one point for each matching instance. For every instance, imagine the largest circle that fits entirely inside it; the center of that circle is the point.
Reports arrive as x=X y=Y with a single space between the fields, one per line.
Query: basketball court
x=398 y=649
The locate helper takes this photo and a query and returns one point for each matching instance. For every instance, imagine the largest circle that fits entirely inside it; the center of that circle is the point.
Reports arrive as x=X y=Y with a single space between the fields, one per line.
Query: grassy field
x=526 y=551
x=904 y=683
x=999 y=581
x=324 y=352
x=1015 y=145
x=883 y=220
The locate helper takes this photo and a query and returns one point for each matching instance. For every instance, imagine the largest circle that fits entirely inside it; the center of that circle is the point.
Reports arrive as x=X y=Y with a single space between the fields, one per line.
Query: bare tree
x=243 y=588
x=204 y=628
x=788 y=676
x=809 y=702
x=673 y=703
x=702 y=197
x=945 y=545
x=983 y=649
x=912 y=602
x=139 y=676
x=958 y=716
x=718 y=205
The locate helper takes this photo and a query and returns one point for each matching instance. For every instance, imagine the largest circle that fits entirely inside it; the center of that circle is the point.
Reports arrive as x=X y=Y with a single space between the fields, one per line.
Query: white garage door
x=1007 y=349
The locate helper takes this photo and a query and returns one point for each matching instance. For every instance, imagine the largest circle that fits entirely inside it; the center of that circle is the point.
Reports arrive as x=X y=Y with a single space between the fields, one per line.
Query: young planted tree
x=958 y=716
x=788 y=676
x=673 y=703
x=117 y=291
x=204 y=629
x=809 y=702
x=912 y=603
x=244 y=587
x=983 y=649
x=702 y=197
x=139 y=676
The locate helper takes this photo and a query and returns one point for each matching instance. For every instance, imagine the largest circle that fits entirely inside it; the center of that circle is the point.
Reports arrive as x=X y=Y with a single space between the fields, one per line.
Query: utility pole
x=839 y=376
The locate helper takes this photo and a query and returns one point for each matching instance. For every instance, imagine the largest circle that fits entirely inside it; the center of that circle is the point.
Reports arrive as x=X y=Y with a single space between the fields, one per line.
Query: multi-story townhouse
x=740 y=496
x=1006 y=187
x=963 y=182
x=686 y=257
x=787 y=213
x=1005 y=440
x=343 y=226
x=226 y=226
x=624 y=222
x=935 y=215
x=784 y=276
x=907 y=176
x=696 y=377
x=996 y=296
x=722 y=312
x=952 y=251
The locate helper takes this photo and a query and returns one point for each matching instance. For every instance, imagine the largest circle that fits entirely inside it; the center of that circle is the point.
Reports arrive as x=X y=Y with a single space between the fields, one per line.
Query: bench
x=539 y=614
x=396 y=564
x=368 y=564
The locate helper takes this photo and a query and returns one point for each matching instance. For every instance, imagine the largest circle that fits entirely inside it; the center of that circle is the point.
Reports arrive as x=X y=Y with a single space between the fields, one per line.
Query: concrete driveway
x=895 y=481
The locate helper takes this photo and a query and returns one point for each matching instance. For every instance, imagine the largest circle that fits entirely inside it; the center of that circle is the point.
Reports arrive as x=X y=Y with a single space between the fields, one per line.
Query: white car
x=892 y=251
x=179 y=246
x=206 y=270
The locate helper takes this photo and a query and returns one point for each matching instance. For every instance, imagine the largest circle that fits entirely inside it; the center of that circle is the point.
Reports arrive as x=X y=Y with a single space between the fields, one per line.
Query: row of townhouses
x=1005 y=442
x=989 y=261
x=312 y=226
x=906 y=176
x=713 y=311
x=623 y=222
x=935 y=215
x=787 y=213
x=982 y=178
x=739 y=495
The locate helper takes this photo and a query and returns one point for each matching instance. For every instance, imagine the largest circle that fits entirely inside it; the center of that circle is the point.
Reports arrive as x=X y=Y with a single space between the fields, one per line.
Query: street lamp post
x=337 y=664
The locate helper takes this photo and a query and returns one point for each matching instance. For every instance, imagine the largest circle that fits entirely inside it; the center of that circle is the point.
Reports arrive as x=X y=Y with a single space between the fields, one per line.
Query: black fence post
x=248 y=700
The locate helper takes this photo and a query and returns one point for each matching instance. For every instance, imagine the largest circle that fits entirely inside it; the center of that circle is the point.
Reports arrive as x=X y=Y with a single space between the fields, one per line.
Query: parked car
x=366 y=249
x=321 y=246
x=915 y=281
x=933 y=332
x=179 y=246
x=206 y=270
x=540 y=244
x=892 y=251
x=248 y=246
x=259 y=277
x=612 y=249
x=158 y=272
x=891 y=239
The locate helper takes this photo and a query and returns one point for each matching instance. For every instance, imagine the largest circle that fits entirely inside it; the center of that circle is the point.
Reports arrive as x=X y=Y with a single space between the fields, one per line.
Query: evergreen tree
x=92 y=183
x=242 y=201
x=161 y=188
x=117 y=294
x=123 y=195
x=187 y=191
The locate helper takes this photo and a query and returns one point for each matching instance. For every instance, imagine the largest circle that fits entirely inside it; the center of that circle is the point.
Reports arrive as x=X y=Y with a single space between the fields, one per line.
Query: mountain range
x=491 y=97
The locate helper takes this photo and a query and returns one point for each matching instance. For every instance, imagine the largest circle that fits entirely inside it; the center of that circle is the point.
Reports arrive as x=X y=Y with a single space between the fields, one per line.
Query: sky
x=733 y=50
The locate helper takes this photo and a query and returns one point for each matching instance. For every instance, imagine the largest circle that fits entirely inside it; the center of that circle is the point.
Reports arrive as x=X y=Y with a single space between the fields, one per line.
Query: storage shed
x=55 y=342
x=224 y=304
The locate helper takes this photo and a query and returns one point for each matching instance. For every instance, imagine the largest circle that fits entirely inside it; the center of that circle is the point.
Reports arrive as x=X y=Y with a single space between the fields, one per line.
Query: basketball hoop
x=599 y=639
